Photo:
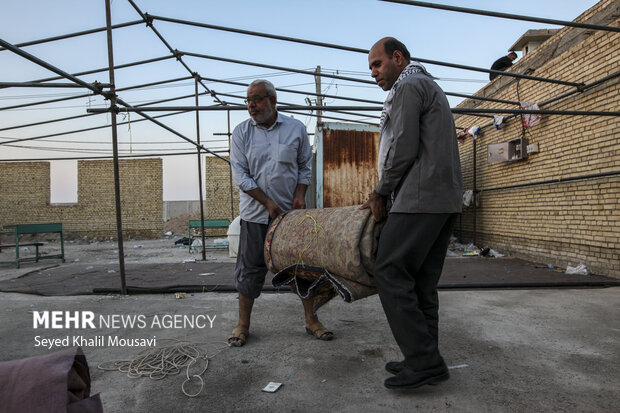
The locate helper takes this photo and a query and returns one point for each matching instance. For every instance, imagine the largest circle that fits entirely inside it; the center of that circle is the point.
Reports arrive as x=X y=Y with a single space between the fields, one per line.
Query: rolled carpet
x=321 y=253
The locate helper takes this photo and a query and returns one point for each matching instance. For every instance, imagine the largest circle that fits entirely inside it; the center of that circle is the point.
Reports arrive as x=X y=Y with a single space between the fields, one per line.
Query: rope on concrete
x=159 y=362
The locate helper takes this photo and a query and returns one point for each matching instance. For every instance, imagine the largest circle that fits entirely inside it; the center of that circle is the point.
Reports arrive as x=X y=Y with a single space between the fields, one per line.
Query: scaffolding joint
x=108 y=95
x=100 y=86
x=148 y=20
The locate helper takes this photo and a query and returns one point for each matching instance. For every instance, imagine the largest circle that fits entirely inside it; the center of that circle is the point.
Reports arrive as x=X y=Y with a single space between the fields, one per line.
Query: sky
x=428 y=33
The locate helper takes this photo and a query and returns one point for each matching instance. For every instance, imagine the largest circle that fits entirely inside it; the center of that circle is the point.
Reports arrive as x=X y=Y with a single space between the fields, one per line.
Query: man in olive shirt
x=419 y=194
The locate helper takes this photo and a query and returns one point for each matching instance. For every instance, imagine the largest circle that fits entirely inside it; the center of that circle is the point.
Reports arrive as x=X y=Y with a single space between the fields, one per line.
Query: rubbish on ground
x=451 y=253
x=76 y=260
x=485 y=251
x=207 y=273
x=470 y=253
x=493 y=253
x=471 y=249
x=182 y=241
x=137 y=246
x=180 y=296
x=90 y=267
x=458 y=366
x=245 y=361
x=24 y=249
x=110 y=271
x=191 y=259
x=550 y=266
x=272 y=387
x=169 y=233
x=579 y=270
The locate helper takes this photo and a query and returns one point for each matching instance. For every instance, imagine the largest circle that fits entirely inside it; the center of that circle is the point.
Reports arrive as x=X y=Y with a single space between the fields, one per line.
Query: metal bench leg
x=16 y=249
x=62 y=248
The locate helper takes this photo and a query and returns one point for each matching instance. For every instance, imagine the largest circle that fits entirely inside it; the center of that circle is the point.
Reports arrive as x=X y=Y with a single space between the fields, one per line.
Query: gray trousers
x=250 y=270
x=412 y=250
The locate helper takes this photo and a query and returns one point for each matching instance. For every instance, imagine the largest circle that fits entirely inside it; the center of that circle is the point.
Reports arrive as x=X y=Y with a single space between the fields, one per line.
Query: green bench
x=22 y=229
x=194 y=225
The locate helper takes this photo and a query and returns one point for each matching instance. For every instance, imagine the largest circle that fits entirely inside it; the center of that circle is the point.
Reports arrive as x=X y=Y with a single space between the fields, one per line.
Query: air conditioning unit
x=513 y=150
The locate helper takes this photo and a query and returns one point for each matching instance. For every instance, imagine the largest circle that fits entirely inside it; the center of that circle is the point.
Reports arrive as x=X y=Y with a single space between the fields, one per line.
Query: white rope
x=159 y=362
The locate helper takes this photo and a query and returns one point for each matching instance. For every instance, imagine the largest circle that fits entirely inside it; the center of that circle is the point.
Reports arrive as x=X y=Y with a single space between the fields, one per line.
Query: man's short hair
x=512 y=53
x=269 y=87
x=391 y=45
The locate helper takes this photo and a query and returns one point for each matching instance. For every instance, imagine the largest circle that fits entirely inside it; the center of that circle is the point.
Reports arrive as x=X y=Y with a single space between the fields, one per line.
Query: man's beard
x=264 y=116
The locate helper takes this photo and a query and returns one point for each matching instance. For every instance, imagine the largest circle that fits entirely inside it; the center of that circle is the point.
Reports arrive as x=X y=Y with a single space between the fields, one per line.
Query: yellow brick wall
x=217 y=193
x=562 y=223
x=25 y=189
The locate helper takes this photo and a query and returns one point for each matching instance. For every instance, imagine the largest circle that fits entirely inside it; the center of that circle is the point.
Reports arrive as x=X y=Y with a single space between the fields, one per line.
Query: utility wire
x=293 y=91
x=85 y=129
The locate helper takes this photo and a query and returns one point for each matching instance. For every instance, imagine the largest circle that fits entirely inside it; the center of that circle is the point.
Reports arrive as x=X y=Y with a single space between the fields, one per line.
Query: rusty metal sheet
x=349 y=164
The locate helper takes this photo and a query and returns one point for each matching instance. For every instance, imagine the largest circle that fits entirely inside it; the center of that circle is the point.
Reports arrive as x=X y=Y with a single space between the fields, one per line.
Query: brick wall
x=217 y=193
x=25 y=189
x=562 y=223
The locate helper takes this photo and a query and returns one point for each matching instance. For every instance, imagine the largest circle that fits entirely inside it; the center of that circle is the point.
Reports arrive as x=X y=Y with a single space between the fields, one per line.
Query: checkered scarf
x=413 y=67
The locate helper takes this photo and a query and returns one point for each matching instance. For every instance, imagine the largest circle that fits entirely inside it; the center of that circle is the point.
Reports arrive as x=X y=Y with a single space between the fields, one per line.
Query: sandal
x=238 y=337
x=319 y=332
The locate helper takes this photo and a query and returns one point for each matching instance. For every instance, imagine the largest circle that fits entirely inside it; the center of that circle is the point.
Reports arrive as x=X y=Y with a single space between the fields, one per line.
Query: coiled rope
x=159 y=362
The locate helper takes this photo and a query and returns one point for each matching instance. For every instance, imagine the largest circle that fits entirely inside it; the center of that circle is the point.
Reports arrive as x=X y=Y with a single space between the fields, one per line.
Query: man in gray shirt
x=420 y=185
x=271 y=162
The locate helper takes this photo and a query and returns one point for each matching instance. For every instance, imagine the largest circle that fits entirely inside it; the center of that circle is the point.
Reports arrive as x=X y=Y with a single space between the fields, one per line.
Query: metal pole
x=103 y=69
x=565 y=95
x=474 y=189
x=319 y=98
x=505 y=15
x=202 y=210
x=149 y=22
x=67 y=36
x=357 y=50
x=117 y=187
x=52 y=85
x=285 y=107
x=230 y=181
x=77 y=158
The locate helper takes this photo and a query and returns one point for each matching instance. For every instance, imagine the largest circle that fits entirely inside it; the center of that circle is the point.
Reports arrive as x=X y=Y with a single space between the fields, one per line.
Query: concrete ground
x=552 y=350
